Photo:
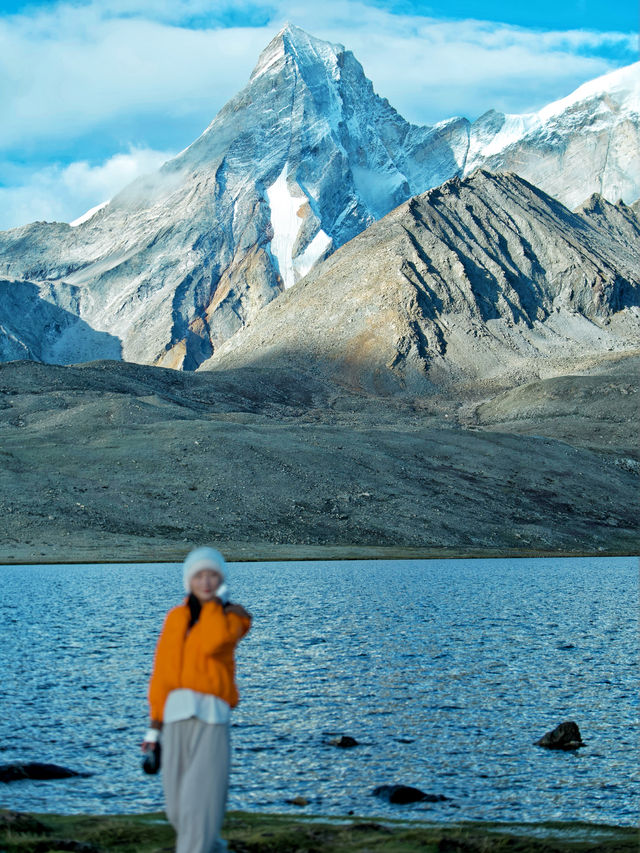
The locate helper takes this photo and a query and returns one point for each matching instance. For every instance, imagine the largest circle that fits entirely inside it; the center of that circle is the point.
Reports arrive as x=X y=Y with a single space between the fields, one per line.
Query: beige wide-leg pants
x=195 y=778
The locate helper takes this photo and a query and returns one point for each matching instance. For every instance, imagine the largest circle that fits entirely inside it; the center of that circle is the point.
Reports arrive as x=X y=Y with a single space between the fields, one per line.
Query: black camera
x=151 y=760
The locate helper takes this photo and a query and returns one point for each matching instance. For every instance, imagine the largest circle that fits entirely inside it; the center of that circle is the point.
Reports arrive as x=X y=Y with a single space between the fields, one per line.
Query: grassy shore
x=267 y=552
x=255 y=833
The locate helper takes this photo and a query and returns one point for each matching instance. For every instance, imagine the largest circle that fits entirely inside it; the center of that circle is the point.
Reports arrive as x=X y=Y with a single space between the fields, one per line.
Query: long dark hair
x=193 y=603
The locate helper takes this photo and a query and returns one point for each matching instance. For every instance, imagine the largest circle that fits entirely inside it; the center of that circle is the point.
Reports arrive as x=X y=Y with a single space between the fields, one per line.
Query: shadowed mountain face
x=40 y=323
x=305 y=158
x=477 y=280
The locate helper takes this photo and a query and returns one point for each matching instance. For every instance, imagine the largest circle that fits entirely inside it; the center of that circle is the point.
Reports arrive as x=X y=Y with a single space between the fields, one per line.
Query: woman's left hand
x=238 y=609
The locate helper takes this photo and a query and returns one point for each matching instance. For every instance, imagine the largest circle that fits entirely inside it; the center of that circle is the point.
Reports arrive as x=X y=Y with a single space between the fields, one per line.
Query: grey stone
x=344 y=742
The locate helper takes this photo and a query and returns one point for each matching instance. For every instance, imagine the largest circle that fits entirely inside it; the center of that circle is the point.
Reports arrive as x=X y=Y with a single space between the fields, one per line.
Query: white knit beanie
x=201 y=558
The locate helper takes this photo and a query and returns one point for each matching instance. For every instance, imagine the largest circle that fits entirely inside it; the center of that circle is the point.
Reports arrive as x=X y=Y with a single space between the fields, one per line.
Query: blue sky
x=95 y=92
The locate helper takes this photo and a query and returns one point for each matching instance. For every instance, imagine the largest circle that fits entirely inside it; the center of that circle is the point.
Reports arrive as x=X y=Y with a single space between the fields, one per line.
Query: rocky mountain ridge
x=482 y=279
x=305 y=158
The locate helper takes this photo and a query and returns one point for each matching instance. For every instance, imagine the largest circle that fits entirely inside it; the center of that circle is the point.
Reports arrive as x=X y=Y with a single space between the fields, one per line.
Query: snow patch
x=286 y=223
x=88 y=215
x=305 y=262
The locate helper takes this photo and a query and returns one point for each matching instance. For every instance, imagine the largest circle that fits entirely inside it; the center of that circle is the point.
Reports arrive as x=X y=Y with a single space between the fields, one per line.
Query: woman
x=191 y=693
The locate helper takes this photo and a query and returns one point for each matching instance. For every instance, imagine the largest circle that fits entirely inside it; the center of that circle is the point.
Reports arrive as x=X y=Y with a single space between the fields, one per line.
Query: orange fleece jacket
x=201 y=659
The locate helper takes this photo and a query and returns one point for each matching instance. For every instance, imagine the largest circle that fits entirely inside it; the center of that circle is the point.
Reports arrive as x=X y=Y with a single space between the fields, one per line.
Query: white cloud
x=67 y=69
x=125 y=70
x=431 y=69
x=65 y=80
x=62 y=194
x=450 y=70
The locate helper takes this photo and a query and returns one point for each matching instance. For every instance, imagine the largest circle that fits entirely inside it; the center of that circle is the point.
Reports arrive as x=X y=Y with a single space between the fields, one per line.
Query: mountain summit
x=302 y=160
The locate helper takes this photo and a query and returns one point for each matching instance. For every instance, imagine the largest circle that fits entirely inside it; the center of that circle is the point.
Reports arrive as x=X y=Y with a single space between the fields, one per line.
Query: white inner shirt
x=182 y=704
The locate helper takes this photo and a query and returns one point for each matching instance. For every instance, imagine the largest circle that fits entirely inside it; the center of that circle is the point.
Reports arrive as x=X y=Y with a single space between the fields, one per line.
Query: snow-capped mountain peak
x=306 y=51
x=583 y=143
x=298 y=163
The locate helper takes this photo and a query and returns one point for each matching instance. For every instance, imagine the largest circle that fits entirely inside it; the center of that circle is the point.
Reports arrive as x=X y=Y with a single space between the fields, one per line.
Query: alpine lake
x=445 y=672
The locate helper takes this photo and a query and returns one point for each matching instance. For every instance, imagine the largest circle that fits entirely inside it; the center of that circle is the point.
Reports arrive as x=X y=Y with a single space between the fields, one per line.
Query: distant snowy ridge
x=87 y=216
x=621 y=85
x=587 y=142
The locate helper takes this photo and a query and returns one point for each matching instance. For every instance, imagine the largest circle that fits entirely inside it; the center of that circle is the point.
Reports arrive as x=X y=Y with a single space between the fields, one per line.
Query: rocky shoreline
x=264 y=833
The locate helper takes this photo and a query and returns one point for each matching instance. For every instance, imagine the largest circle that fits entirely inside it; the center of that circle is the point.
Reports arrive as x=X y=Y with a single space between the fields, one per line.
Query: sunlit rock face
x=482 y=280
x=302 y=160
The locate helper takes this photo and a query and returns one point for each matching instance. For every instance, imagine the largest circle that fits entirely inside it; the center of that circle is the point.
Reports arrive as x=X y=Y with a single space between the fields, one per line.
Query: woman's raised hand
x=238 y=609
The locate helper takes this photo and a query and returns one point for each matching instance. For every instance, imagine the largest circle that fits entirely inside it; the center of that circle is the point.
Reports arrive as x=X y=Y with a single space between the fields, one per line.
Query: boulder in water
x=344 y=742
x=565 y=736
x=404 y=794
x=298 y=801
x=35 y=770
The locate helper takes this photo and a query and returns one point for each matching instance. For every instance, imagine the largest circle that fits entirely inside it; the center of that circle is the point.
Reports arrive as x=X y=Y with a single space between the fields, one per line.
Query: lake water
x=445 y=671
